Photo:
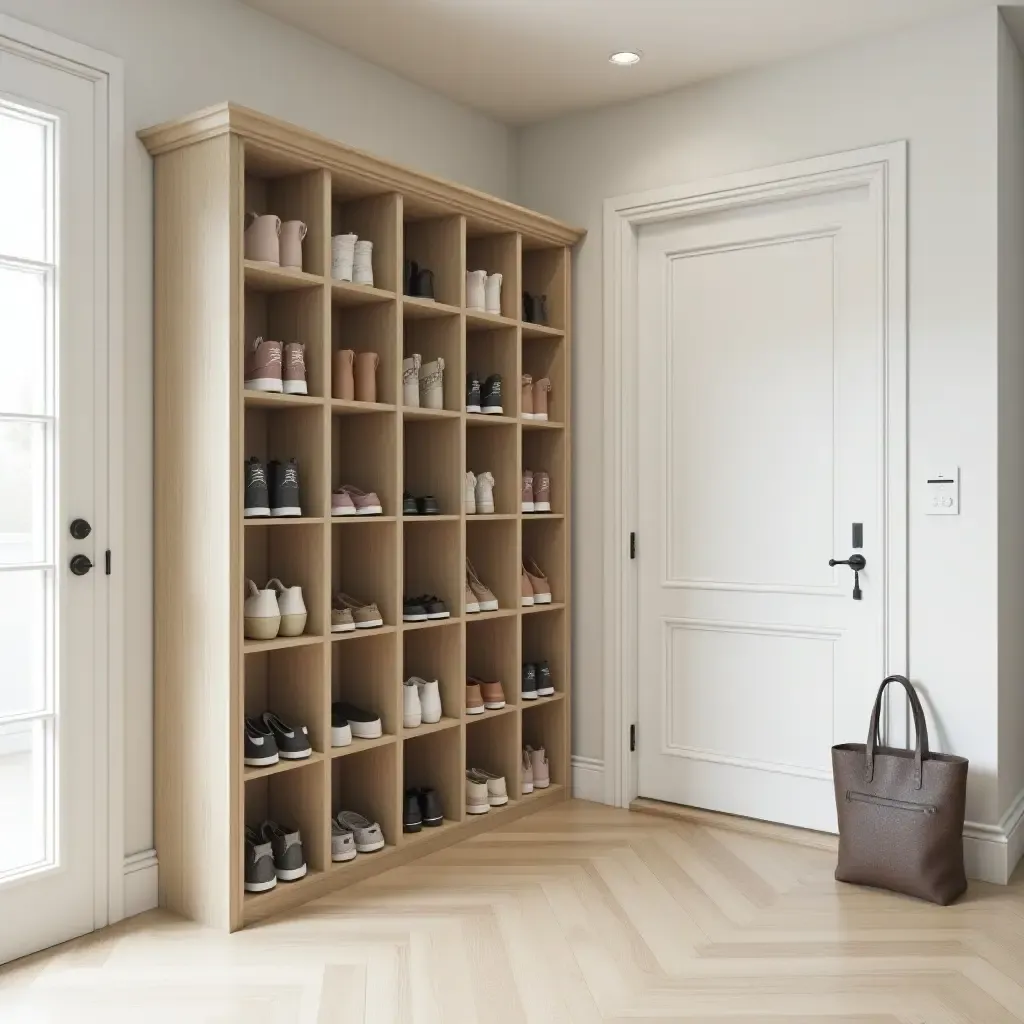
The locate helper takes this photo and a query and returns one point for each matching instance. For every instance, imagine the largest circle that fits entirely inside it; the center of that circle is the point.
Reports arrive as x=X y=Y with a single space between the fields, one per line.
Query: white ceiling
x=526 y=60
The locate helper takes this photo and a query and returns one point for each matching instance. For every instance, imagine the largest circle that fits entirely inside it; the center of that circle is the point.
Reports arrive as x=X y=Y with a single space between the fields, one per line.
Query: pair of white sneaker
x=478 y=496
x=422 y=703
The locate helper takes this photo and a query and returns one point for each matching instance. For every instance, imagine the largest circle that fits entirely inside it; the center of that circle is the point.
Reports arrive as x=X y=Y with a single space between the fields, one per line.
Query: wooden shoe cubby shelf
x=210 y=169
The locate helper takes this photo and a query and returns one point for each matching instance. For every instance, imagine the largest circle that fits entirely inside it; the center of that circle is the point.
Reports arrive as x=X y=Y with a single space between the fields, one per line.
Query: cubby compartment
x=294 y=554
x=545 y=450
x=437 y=654
x=301 y=196
x=492 y=546
x=544 y=639
x=490 y=351
x=293 y=315
x=492 y=744
x=438 y=338
x=492 y=447
x=283 y=433
x=436 y=760
x=364 y=328
x=364 y=566
x=431 y=566
x=374 y=218
x=544 y=274
x=367 y=783
x=544 y=544
x=545 y=358
x=364 y=455
x=544 y=725
x=366 y=675
x=435 y=244
x=290 y=683
x=432 y=459
x=498 y=254
x=492 y=654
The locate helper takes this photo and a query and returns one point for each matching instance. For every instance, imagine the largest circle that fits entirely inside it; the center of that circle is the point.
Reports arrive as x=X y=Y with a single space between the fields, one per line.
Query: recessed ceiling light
x=624 y=58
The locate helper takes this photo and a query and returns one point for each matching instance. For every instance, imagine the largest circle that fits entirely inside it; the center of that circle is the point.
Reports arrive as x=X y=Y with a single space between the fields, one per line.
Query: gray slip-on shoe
x=259 y=863
x=292 y=741
x=367 y=834
x=289 y=862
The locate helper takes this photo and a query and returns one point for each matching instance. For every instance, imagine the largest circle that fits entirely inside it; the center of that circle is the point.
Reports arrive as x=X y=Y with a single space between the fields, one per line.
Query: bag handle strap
x=920 y=725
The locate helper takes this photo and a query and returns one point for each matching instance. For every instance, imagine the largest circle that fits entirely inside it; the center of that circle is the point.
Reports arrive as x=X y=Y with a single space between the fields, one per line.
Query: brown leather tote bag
x=901 y=812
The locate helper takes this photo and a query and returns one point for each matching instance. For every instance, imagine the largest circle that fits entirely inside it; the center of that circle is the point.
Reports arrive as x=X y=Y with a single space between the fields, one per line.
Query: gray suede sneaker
x=259 y=863
x=257 y=494
x=289 y=863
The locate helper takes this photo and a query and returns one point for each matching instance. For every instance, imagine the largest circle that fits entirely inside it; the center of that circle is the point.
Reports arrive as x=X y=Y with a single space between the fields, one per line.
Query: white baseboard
x=991 y=852
x=588 y=779
x=140 y=882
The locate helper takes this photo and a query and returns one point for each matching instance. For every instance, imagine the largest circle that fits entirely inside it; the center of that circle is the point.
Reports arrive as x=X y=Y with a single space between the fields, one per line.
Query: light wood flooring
x=578 y=913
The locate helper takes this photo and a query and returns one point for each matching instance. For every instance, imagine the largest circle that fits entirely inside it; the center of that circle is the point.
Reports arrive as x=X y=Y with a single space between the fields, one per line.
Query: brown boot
x=526 y=397
x=343 y=384
x=366 y=376
x=541 y=390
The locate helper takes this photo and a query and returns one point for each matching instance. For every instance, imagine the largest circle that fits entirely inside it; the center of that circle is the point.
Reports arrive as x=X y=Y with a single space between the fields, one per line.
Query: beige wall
x=934 y=86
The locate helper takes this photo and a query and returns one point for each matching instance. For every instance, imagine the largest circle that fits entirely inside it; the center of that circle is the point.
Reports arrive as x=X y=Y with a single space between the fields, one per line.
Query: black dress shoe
x=412 y=816
x=430 y=807
x=428 y=506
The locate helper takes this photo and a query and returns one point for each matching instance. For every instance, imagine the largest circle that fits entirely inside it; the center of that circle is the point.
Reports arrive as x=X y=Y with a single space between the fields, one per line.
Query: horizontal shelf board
x=508 y=709
x=431 y=623
x=284 y=894
x=555 y=787
x=540 y=516
x=267 y=278
x=430 y=519
x=283 y=521
x=350 y=407
x=427 y=729
x=282 y=766
x=537 y=701
x=424 y=309
x=538 y=608
x=361 y=859
x=412 y=413
x=491 y=517
x=501 y=613
x=541 y=425
x=489 y=815
x=347 y=293
x=477 y=319
x=357 y=634
x=274 y=400
x=481 y=419
x=357 y=745
x=339 y=520
x=280 y=643
x=428 y=833
x=538 y=332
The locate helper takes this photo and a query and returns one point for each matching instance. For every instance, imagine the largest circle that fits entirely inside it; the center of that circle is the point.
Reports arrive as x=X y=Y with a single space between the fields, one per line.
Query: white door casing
x=727 y=587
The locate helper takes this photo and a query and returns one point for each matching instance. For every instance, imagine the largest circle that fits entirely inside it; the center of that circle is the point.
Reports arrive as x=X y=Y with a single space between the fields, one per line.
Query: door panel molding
x=882 y=171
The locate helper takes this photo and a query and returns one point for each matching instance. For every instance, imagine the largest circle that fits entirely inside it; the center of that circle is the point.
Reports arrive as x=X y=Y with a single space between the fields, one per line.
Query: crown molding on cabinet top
x=285 y=148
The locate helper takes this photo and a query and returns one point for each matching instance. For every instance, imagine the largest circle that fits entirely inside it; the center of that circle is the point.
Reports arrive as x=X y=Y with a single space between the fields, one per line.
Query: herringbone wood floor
x=580 y=913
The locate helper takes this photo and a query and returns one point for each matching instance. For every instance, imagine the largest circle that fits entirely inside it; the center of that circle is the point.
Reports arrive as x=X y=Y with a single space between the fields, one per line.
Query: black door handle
x=857 y=563
x=80 y=565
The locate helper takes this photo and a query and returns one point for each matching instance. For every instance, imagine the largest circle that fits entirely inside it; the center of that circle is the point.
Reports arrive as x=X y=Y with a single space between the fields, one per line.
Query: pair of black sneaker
x=425 y=506
x=537 y=680
x=486 y=397
x=422 y=809
x=424 y=608
x=535 y=308
x=273 y=491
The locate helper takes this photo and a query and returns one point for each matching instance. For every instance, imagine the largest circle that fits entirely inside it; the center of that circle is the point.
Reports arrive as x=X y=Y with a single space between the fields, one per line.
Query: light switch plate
x=943 y=493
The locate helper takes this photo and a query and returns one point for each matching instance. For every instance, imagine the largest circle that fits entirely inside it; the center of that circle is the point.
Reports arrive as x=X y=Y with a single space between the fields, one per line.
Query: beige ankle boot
x=366 y=376
x=526 y=397
x=292 y=234
x=411 y=380
x=262 y=238
x=432 y=384
x=541 y=390
x=343 y=383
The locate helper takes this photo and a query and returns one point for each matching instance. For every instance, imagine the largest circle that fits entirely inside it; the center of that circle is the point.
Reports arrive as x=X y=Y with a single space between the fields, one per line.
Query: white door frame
x=106 y=73
x=883 y=171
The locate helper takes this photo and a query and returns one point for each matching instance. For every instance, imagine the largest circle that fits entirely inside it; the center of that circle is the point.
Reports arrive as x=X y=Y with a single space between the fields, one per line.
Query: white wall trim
x=882 y=169
x=106 y=72
x=588 y=779
x=991 y=852
x=139 y=882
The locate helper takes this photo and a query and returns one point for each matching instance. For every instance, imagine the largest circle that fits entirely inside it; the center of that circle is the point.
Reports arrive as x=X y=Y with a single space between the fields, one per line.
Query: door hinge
x=106 y=561
x=632 y=738
x=632 y=545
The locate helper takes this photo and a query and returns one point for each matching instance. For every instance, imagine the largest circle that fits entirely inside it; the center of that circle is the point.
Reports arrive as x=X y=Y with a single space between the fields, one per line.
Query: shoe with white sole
x=541 y=391
x=472 y=392
x=343 y=844
x=484 y=494
x=261 y=614
x=257 y=494
x=472 y=604
x=484 y=596
x=490 y=402
x=497 y=792
x=292 y=743
x=528 y=504
x=469 y=494
x=284 y=488
x=341 y=731
x=430 y=699
x=366 y=503
x=412 y=709
x=526 y=397
x=539 y=583
x=291 y=606
x=476 y=794
x=341 y=620
x=367 y=834
x=364 y=616
x=289 y=862
x=260 y=875
x=263 y=366
x=541 y=768
x=365 y=725
x=260 y=746
x=541 y=492
x=294 y=369
x=525 y=591
x=527 y=774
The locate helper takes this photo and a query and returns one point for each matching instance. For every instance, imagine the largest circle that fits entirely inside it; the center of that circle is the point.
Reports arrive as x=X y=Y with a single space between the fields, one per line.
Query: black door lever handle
x=856 y=562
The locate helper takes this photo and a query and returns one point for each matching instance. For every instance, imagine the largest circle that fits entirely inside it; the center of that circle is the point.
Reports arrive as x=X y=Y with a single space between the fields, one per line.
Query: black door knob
x=80 y=565
x=856 y=562
x=80 y=529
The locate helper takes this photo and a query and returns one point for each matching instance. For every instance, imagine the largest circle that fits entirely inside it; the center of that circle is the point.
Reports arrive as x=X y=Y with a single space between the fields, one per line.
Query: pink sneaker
x=295 y=369
x=342 y=504
x=366 y=503
x=541 y=491
x=528 y=502
x=263 y=366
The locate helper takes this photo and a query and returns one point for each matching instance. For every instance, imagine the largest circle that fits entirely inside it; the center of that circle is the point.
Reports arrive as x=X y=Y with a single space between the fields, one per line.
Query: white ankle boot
x=411 y=380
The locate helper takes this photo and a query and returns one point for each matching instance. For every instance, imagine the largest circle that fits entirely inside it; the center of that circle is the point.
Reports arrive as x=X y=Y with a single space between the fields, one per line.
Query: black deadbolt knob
x=80 y=529
x=80 y=565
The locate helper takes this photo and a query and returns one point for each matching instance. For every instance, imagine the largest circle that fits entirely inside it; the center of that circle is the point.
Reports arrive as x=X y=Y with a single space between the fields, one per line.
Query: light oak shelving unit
x=210 y=168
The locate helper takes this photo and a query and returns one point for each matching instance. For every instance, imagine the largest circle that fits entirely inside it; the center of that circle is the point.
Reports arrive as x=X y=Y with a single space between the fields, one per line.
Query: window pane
x=24 y=795
x=23 y=640
x=23 y=340
x=23 y=492
x=23 y=187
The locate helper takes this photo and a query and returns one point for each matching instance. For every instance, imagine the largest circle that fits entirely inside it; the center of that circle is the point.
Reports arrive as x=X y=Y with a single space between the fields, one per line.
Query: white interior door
x=52 y=465
x=761 y=390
